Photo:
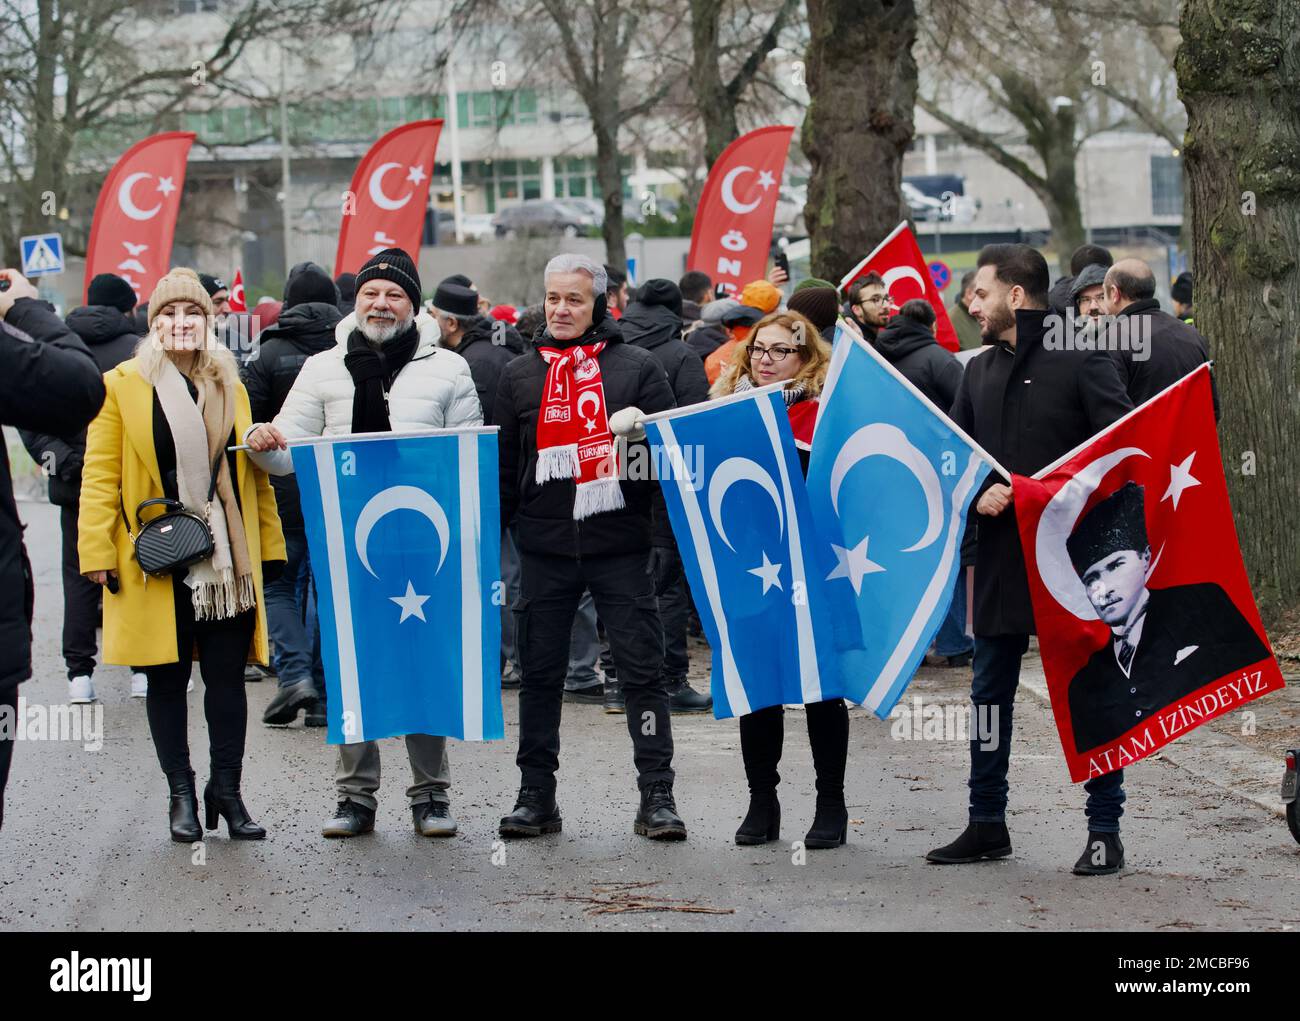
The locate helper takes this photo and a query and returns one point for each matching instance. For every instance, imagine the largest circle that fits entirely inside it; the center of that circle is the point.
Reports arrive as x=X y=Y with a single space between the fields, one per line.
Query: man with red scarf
x=580 y=527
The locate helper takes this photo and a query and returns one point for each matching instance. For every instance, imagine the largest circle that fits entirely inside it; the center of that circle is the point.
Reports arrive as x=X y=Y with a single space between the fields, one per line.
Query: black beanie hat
x=661 y=292
x=1182 y=290
x=461 y=280
x=310 y=283
x=347 y=283
x=456 y=300
x=111 y=290
x=395 y=266
x=820 y=304
x=212 y=284
x=1116 y=523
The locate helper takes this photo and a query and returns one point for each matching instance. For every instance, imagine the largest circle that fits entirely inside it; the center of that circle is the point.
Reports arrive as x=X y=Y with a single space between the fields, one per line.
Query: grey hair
x=571 y=262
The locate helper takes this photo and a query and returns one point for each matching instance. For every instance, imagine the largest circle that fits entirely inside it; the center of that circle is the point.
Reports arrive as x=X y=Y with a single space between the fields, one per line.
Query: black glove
x=271 y=570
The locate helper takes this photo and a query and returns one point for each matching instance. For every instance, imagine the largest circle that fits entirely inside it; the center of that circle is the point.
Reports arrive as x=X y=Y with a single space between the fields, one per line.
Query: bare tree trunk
x=1238 y=73
x=862 y=87
x=609 y=175
x=709 y=91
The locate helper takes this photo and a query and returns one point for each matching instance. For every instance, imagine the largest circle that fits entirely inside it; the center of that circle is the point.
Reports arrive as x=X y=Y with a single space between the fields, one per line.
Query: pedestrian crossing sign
x=42 y=254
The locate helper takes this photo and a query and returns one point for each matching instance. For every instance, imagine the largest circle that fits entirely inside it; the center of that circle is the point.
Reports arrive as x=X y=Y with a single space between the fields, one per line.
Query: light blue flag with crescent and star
x=739 y=511
x=404 y=535
x=890 y=482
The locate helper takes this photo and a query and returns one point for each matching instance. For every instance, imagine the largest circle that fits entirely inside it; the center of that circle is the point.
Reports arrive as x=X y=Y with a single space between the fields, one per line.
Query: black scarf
x=373 y=370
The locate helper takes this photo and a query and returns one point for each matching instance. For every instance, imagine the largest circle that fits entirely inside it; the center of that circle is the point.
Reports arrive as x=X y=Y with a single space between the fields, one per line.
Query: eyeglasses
x=776 y=354
x=879 y=299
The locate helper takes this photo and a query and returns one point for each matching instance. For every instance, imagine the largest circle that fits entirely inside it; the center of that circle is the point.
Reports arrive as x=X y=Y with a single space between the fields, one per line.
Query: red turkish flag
x=135 y=217
x=733 y=222
x=390 y=193
x=898 y=259
x=1146 y=622
x=237 y=301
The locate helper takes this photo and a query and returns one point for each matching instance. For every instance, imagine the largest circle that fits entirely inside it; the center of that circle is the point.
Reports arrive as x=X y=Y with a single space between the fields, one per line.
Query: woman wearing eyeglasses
x=785 y=347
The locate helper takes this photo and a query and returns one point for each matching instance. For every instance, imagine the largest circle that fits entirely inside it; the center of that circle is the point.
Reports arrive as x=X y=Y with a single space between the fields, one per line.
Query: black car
x=542 y=216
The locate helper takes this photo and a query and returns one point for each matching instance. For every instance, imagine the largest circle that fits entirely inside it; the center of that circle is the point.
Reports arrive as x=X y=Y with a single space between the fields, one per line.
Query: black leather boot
x=535 y=813
x=978 y=841
x=762 y=821
x=828 y=735
x=183 y=807
x=830 y=826
x=1104 y=855
x=657 y=817
x=221 y=797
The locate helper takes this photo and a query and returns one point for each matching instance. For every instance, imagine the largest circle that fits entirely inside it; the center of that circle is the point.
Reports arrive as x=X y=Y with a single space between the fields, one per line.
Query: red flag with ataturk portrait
x=899 y=261
x=135 y=217
x=733 y=221
x=1146 y=622
x=386 y=204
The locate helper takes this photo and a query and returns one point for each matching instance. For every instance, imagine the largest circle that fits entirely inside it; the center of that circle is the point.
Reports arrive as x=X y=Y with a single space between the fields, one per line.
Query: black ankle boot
x=183 y=807
x=221 y=797
x=762 y=821
x=978 y=841
x=830 y=826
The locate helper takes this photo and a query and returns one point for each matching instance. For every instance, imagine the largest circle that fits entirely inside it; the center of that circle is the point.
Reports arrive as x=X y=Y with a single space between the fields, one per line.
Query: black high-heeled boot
x=828 y=735
x=761 y=736
x=221 y=797
x=183 y=807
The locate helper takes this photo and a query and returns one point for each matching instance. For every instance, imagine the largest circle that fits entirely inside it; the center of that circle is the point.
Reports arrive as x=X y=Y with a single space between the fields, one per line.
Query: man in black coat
x=305 y=327
x=1153 y=349
x=476 y=338
x=566 y=548
x=50 y=384
x=653 y=321
x=1164 y=644
x=1026 y=404
x=907 y=341
x=108 y=333
x=709 y=334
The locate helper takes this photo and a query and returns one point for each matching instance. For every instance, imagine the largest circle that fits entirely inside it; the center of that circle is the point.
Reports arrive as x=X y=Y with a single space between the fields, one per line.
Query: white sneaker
x=80 y=690
x=139 y=686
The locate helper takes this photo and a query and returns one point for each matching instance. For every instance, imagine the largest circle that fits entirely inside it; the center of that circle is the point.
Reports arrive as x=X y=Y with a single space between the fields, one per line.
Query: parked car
x=542 y=216
x=477 y=226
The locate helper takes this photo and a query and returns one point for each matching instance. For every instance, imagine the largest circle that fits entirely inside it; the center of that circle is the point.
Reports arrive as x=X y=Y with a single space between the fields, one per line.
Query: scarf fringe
x=596 y=497
x=558 y=463
x=224 y=598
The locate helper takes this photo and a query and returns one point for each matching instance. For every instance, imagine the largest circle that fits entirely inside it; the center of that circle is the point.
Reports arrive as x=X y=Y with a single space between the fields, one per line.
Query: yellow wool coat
x=140 y=620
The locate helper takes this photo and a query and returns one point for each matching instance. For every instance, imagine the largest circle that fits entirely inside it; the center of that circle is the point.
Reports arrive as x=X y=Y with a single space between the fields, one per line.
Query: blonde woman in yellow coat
x=169 y=415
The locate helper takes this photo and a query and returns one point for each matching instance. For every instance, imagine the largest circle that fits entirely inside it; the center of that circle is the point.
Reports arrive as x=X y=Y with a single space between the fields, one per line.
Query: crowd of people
x=130 y=408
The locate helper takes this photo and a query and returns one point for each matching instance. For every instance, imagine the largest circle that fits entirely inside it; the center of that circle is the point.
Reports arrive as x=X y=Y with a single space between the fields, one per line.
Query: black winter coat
x=269 y=375
x=1176 y=349
x=111 y=338
x=487 y=360
x=705 y=339
x=50 y=384
x=913 y=351
x=543 y=513
x=1027 y=406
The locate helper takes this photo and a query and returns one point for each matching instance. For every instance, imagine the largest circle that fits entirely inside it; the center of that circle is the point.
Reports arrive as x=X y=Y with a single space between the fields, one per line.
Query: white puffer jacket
x=433 y=391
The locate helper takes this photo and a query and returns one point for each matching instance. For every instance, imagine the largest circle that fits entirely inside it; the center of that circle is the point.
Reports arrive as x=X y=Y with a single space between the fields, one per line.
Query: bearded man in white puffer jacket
x=385 y=374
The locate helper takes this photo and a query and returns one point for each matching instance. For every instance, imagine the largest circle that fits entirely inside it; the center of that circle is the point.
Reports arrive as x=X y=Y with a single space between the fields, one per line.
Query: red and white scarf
x=573 y=436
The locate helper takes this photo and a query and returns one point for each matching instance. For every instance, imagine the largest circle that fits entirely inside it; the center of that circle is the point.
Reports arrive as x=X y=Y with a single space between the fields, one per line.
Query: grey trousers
x=357 y=771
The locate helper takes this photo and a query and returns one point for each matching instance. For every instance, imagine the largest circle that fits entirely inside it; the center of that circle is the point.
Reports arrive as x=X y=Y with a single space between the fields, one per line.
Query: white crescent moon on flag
x=890 y=441
x=729 y=196
x=377 y=188
x=400 y=498
x=892 y=276
x=1056 y=524
x=128 y=205
x=740 y=469
x=594 y=400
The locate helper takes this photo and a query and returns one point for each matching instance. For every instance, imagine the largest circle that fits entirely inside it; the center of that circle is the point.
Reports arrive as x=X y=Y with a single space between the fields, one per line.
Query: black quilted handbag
x=174 y=539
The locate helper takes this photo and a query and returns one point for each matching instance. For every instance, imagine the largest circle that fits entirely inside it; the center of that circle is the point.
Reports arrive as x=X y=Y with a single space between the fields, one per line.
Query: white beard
x=383 y=331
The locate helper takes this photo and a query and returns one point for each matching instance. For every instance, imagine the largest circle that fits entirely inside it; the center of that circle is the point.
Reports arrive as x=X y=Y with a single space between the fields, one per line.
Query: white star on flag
x=412 y=605
x=166 y=185
x=416 y=175
x=591 y=425
x=765 y=179
x=854 y=564
x=769 y=572
x=1180 y=478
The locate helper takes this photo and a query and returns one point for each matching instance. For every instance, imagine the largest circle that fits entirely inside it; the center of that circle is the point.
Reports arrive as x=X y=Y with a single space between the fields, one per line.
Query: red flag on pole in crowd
x=135 y=217
x=390 y=192
x=899 y=261
x=1145 y=617
x=238 y=303
x=733 y=222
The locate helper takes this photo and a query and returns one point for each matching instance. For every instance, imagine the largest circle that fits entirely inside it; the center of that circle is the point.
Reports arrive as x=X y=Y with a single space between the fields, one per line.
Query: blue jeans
x=291 y=617
x=997 y=675
x=952 y=639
